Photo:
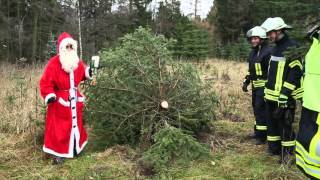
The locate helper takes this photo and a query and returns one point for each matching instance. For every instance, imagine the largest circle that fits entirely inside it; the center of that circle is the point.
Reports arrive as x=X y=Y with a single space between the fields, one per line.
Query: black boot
x=251 y=136
x=260 y=141
x=57 y=160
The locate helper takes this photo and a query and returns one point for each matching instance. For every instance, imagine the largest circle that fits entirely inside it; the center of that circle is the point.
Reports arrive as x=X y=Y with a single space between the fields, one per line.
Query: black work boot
x=260 y=141
x=57 y=160
x=251 y=136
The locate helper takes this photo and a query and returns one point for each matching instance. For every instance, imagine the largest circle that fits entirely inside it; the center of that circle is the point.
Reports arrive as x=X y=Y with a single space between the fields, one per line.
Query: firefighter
x=308 y=138
x=258 y=61
x=282 y=89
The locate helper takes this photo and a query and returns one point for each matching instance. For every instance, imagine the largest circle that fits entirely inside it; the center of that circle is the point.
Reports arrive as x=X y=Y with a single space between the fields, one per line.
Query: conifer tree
x=140 y=90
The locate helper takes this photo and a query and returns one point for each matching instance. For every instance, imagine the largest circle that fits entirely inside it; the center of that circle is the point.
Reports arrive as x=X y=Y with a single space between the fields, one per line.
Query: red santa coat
x=64 y=126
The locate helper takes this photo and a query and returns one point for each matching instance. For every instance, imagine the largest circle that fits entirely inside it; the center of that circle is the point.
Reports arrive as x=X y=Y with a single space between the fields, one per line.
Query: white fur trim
x=81 y=148
x=67 y=41
x=71 y=142
x=81 y=99
x=87 y=73
x=48 y=97
x=63 y=102
x=75 y=137
x=50 y=151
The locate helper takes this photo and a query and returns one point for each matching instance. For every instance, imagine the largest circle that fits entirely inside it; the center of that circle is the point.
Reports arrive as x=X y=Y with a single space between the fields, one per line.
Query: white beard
x=69 y=60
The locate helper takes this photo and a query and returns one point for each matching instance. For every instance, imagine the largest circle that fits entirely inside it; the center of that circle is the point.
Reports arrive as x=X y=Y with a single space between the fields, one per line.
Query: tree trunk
x=50 y=32
x=8 y=28
x=20 y=27
x=130 y=6
x=35 y=19
x=79 y=27
x=195 y=8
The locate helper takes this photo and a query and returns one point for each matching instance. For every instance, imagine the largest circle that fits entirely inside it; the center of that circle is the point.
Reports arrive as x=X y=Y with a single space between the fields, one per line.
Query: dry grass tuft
x=226 y=78
x=20 y=102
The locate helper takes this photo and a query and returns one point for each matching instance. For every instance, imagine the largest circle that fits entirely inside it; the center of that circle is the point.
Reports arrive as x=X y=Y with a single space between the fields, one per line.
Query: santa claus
x=64 y=135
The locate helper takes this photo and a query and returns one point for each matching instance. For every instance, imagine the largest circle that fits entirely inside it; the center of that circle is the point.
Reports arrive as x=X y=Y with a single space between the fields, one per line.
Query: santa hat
x=65 y=39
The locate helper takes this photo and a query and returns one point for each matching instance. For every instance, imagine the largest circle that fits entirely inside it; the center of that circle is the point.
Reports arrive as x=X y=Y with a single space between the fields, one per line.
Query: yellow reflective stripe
x=282 y=96
x=309 y=169
x=263 y=128
x=272 y=92
x=281 y=74
x=277 y=88
x=298 y=93
x=289 y=86
x=299 y=90
x=314 y=142
x=295 y=63
x=270 y=97
x=273 y=138
x=305 y=155
x=259 y=83
x=258 y=69
x=279 y=77
x=298 y=96
x=288 y=143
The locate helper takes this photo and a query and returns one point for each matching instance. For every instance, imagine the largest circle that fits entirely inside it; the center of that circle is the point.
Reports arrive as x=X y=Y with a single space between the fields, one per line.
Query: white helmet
x=275 y=23
x=257 y=31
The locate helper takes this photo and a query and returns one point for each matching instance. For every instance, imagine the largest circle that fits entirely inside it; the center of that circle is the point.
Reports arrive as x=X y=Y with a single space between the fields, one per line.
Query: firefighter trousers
x=308 y=143
x=280 y=134
x=259 y=110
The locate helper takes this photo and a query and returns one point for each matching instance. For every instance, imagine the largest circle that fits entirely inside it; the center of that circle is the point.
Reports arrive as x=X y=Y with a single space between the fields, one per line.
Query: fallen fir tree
x=145 y=99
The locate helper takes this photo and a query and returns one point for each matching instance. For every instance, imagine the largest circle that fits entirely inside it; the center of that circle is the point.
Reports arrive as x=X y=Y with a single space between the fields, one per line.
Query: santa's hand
x=90 y=72
x=51 y=100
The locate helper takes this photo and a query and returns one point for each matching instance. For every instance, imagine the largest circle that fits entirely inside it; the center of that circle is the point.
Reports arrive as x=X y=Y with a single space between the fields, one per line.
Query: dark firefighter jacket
x=284 y=74
x=258 y=65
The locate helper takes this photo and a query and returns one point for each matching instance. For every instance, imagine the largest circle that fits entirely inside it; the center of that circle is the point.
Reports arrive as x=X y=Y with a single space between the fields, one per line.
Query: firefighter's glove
x=283 y=101
x=90 y=71
x=245 y=87
x=51 y=100
x=245 y=83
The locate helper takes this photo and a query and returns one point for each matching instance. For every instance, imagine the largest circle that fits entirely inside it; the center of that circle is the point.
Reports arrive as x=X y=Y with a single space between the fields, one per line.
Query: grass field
x=234 y=156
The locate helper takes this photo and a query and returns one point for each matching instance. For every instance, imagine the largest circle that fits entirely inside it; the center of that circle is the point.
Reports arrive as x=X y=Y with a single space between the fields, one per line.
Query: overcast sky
x=187 y=6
